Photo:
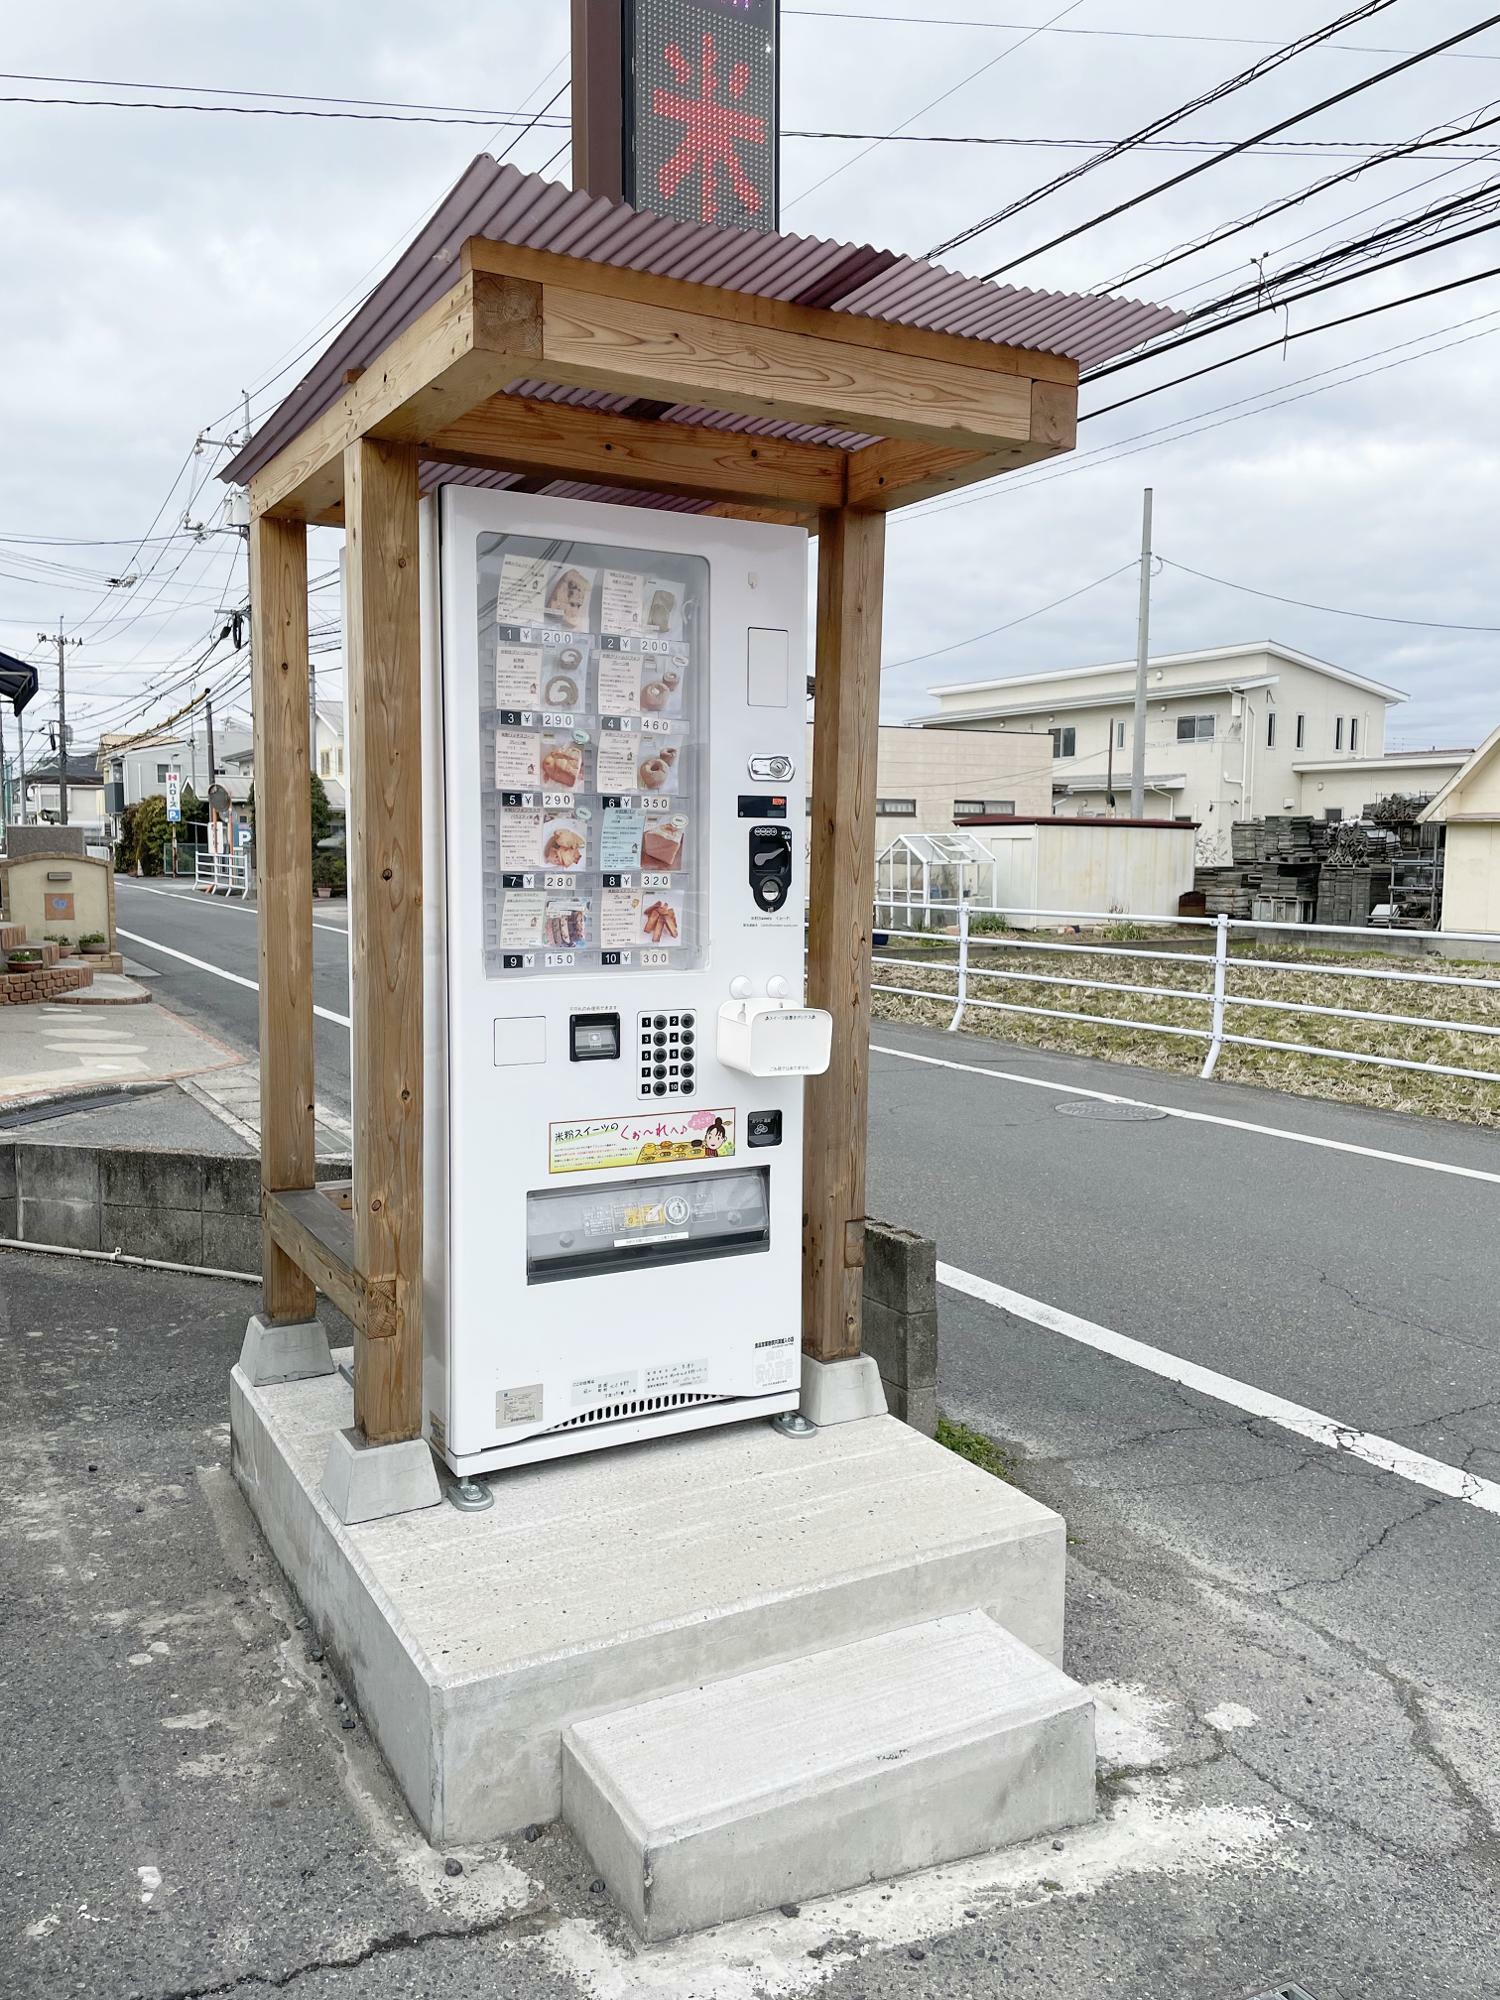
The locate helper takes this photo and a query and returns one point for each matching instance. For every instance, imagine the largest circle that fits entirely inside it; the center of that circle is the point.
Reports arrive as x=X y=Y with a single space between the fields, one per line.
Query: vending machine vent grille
x=640 y=1406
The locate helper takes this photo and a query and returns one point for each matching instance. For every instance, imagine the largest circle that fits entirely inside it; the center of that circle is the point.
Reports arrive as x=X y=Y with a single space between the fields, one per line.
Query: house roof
x=1411 y=759
x=1207 y=654
x=1472 y=763
x=506 y=206
x=1063 y=704
x=83 y=769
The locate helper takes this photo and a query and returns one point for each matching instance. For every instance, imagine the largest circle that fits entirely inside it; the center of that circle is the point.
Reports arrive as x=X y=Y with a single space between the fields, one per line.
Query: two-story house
x=1232 y=732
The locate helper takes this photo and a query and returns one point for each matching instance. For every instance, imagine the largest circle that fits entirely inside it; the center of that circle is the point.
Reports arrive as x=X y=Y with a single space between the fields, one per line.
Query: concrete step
x=903 y=1751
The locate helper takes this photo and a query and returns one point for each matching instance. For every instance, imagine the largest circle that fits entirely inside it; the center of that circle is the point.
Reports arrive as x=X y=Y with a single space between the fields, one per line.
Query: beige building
x=927 y=781
x=1232 y=732
x=1468 y=807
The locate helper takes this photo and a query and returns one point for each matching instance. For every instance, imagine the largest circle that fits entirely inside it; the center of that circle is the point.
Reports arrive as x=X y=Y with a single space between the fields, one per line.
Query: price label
x=624 y=881
x=614 y=958
x=518 y=961
x=539 y=635
x=617 y=802
x=564 y=799
x=648 y=644
x=556 y=719
x=656 y=881
x=651 y=959
x=519 y=882
x=655 y=725
x=558 y=959
x=560 y=882
x=517 y=718
x=518 y=798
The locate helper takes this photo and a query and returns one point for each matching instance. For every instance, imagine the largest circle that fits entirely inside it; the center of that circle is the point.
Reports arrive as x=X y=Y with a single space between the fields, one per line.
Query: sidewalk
x=62 y=1046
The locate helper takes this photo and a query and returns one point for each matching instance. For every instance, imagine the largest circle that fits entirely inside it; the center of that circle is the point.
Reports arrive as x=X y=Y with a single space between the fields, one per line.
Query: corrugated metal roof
x=507 y=206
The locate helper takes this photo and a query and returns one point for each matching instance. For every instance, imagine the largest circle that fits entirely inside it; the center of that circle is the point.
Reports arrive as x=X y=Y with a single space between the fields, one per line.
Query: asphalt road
x=221 y=934
x=1297 y=1650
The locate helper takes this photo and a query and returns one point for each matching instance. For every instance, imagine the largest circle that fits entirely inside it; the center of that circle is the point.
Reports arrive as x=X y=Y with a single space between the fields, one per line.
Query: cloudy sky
x=160 y=262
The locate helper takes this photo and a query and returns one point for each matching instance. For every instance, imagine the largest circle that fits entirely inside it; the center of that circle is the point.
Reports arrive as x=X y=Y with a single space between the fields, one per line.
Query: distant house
x=1232 y=732
x=1468 y=807
x=327 y=757
x=85 y=789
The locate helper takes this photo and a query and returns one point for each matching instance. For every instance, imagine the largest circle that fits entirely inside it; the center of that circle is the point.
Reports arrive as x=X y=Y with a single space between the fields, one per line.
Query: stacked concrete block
x=900 y=1321
x=179 y=1208
x=24 y=986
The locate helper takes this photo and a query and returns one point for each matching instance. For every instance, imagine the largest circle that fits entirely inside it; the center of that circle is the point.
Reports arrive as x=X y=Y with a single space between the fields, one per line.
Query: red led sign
x=702 y=110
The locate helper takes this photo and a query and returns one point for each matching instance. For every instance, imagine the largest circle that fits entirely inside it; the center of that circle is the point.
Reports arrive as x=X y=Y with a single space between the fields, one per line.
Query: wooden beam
x=550 y=267
x=283 y=862
x=383 y=667
x=841 y=894
x=317 y=1236
x=554 y=441
x=479 y=336
x=897 y=473
x=595 y=340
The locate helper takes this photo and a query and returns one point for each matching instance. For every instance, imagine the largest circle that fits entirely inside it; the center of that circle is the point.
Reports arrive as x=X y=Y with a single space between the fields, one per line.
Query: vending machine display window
x=593 y=734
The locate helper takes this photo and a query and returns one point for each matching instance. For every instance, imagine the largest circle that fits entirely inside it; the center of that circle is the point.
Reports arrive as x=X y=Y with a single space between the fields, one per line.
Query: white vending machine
x=614 y=798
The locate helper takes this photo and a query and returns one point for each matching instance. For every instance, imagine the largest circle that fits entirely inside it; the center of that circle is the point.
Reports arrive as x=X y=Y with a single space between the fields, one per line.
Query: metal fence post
x=963 y=966
x=1221 y=955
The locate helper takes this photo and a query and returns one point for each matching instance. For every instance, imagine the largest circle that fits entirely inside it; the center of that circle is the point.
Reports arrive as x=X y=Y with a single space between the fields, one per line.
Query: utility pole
x=208 y=715
x=56 y=639
x=1142 y=648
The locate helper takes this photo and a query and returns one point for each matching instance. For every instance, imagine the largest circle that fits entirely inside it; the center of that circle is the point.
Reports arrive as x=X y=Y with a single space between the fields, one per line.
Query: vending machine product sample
x=613 y=1200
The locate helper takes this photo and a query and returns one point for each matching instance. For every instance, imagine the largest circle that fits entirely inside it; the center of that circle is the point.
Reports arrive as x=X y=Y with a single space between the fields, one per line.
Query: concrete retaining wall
x=900 y=1320
x=185 y=1208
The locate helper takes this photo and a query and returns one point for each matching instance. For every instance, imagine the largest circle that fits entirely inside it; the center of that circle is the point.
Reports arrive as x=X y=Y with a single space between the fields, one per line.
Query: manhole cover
x=1096 y=1107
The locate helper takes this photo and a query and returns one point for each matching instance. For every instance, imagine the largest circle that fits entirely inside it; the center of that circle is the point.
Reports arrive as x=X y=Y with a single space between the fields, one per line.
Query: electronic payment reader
x=614 y=800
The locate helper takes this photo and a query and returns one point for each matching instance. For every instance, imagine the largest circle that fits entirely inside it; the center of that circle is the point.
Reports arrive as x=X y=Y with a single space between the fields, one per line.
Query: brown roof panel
x=507 y=206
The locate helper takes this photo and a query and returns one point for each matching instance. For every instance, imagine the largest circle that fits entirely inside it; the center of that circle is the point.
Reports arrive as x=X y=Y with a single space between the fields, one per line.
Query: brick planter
x=28 y=984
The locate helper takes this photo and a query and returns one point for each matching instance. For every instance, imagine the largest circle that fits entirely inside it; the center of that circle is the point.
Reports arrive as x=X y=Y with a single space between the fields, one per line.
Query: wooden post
x=383 y=665
x=283 y=849
x=841 y=894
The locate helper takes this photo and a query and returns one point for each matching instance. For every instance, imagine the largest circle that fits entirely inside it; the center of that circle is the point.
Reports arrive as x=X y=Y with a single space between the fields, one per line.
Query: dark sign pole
x=676 y=107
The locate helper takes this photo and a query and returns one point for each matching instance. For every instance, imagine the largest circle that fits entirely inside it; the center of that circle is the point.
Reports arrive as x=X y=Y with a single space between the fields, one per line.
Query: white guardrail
x=1213 y=995
x=227 y=874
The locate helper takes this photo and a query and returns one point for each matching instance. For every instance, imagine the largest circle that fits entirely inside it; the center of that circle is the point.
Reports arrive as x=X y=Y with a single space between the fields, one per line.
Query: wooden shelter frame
x=944 y=411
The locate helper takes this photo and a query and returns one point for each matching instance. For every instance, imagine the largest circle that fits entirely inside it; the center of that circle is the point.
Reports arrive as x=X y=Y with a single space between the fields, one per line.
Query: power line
x=1139 y=441
x=1104 y=34
x=1335 y=610
x=1241 y=146
x=958 y=644
x=1296 y=333
x=941 y=98
x=1431 y=138
x=1261 y=68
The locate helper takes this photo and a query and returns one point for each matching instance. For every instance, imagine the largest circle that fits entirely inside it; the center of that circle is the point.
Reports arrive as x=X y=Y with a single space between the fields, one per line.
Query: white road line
x=1433 y=1473
x=219 y=903
x=237 y=978
x=1197 y=1117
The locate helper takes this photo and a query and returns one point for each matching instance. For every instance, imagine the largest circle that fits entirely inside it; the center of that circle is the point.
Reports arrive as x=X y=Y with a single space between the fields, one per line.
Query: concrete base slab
x=288 y=1353
x=370 y=1482
x=920 y=1746
x=471 y=1641
x=841 y=1392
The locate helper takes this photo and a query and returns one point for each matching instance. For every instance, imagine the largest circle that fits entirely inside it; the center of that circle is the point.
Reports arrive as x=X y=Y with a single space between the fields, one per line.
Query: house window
x=1338 y=732
x=1270 y=729
x=1064 y=742
x=1119 y=736
x=1333 y=814
x=163 y=772
x=1195 y=729
x=339 y=760
x=974 y=808
x=896 y=808
x=1301 y=732
x=1353 y=734
x=325 y=763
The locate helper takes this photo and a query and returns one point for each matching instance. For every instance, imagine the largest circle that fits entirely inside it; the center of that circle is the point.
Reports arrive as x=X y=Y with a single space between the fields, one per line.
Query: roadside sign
x=701 y=109
x=242 y=835
x=174 y=794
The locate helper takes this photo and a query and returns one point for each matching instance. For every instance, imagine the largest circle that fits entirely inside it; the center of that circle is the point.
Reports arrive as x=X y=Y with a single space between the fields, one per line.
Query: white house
x=1232 y=732
x=1468 y=806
